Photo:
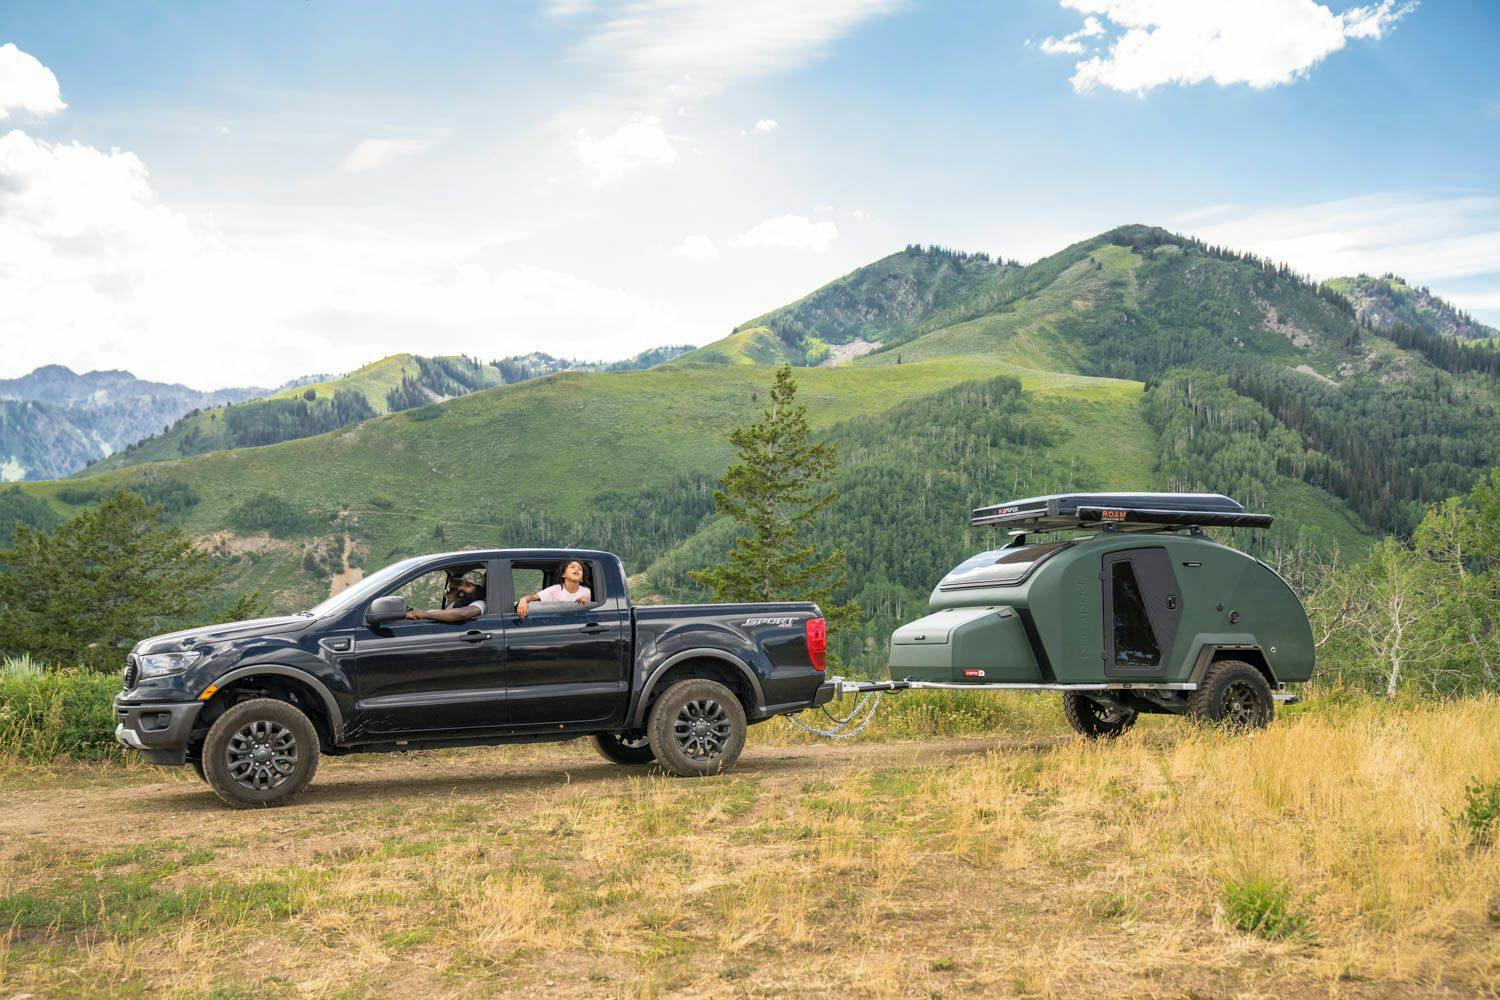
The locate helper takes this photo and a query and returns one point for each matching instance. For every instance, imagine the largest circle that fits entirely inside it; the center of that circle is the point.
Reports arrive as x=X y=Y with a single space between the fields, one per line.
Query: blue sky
x=245 y=192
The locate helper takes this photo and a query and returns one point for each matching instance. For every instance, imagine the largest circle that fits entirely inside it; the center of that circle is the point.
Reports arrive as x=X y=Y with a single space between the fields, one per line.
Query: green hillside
x=1137 y=359
x=1387 y=301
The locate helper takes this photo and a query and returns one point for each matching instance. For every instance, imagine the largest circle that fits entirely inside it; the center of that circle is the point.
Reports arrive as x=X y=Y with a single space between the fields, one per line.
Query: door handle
x=474 y=635
x=593 y=627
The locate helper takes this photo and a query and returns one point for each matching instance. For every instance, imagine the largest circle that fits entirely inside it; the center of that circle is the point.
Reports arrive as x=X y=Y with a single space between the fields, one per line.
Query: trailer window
x=1135 y=641
x=1001 y=567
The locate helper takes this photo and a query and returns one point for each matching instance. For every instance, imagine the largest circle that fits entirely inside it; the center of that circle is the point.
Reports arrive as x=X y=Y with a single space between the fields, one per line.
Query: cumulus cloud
x=1073 y=44
x=374 y=154
x=26 y=85
x=1260 y=43
x=766 y=125
x=793 y=232
x=697 y=247
x=637 y=145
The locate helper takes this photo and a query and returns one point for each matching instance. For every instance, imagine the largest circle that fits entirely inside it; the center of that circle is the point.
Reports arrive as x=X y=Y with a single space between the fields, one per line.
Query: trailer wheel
x=696 y=728
x=616 y=747
x=1095 y=719
x=1233 y=694
x=260 y=752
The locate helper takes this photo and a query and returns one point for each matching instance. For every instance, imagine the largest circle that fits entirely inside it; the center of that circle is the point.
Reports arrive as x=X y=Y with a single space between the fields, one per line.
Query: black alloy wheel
x=1094 y=719
x=697 y=727
x=260 y=752
x=625 y=748
x=1233 y=694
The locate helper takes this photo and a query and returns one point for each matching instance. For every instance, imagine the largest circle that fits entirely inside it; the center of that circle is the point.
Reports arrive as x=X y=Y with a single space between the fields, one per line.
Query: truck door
x=566 y=666
x=417 y=676
x=1142 y=607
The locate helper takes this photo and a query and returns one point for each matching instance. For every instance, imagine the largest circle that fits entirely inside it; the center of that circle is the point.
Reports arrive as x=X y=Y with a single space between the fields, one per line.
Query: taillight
x=817 y=642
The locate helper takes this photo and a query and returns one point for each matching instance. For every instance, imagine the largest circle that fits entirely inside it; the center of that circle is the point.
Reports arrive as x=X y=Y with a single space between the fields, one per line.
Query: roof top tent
x=1142 y=613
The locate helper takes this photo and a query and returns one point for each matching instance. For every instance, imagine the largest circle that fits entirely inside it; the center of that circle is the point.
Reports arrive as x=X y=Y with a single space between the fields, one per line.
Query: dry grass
x=1051 y=869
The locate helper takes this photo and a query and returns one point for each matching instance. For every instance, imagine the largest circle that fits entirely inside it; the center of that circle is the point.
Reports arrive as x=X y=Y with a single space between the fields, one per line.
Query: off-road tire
x=1233 y=694
x=685 y=747
x=1093 y=720
x=614 y=747
x=248 y=745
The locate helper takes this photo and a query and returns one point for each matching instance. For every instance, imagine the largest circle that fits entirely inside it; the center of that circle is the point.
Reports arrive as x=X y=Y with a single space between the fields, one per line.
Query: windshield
x=365 y=589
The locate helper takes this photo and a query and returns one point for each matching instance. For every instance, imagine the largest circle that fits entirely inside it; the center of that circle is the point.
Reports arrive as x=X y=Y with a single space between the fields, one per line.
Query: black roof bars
x=1127 y=511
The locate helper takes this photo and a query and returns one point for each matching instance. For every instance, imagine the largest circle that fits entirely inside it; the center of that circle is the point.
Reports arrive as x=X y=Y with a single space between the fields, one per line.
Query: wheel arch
x=320 y=695
x=688 y=663
x=1212 y=653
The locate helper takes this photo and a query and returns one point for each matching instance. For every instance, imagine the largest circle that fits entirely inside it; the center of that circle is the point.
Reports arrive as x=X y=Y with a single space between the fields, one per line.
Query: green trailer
x=1125 y=607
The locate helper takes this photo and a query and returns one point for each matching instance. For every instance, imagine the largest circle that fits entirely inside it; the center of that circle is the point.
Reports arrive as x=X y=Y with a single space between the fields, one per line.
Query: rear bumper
x=826 y=692
x=160 y=731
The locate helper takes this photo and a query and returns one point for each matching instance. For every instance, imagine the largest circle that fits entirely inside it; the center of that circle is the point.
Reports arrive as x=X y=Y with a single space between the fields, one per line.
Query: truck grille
x=132 y=671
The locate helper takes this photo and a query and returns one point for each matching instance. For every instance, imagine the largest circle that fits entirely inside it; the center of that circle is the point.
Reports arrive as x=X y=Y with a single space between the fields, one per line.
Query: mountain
x=1137 y=359
x=1388 y=301
x=54 y=421
x=308 y=407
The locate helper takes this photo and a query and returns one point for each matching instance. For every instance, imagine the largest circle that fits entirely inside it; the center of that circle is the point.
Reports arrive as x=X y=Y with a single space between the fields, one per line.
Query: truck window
x=1135 y=641
x=526 y=581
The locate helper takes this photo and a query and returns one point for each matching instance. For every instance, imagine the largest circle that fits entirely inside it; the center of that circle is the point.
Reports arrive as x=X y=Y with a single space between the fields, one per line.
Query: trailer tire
x=1091 y=719
x=615 y=747
x=1235 y=695
x=260 y=752
x=696 y=728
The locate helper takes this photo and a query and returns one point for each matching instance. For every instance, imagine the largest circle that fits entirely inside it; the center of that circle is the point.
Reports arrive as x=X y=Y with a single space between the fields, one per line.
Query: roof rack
x=1121 y=511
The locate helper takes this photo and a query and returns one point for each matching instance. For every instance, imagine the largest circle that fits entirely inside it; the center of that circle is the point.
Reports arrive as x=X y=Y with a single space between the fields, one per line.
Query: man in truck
x=464 y=600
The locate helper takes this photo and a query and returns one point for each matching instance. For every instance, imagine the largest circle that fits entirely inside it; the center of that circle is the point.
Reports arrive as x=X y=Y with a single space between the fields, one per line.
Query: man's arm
x=449 y=615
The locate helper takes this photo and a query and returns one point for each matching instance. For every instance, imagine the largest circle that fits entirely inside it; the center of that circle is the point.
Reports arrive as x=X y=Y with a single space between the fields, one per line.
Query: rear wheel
x=1095 y=719
x=1233 y=694
x=260 y=753
x=624 y=750
x=696 y=728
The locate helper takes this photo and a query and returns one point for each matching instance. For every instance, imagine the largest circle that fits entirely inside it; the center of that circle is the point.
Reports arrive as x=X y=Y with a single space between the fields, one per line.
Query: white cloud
x=1073 y=44
x=697 y=247
x=221 y=129
x=26 y=85
x=766 y=125
x=95 y=271
x=634 y=146
x=699 y=48
x=1430 y=239
x=1261 y=43
x=374 y=154
x=795 y=232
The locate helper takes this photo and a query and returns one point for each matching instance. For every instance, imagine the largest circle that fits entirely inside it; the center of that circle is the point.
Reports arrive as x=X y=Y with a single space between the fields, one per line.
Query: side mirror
x=385 y=609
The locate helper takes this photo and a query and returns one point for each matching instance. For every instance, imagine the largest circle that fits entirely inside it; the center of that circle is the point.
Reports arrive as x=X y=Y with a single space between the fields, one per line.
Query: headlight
x=167 y=664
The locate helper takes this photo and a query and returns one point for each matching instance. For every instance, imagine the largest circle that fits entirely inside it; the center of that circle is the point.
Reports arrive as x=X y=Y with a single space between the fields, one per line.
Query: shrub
x=1262 y=907
x=57 y=713
x=271 y=514
x=429 y=412
x=1480 y=817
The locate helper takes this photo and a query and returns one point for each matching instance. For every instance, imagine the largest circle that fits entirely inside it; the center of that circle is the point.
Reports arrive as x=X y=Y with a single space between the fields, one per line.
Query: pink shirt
x=557 y=593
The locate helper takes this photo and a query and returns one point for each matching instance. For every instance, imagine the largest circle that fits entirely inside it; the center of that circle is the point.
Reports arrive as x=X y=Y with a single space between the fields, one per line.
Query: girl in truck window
x=571 y=589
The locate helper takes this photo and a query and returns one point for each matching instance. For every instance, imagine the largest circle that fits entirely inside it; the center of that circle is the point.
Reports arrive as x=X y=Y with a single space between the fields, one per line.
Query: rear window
x=1001 y=567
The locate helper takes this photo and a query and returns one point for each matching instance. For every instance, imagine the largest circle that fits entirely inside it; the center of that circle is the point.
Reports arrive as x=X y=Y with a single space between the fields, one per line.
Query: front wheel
x=697 y=728
x=1094 y=719
x=621 y=749
x=260 y=753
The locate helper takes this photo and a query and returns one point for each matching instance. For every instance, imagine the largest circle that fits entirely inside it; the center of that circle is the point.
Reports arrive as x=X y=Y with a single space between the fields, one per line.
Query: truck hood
x=219 y=633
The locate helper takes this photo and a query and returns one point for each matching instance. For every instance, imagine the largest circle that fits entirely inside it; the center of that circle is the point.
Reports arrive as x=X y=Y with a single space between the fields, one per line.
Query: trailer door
x=1142 y=607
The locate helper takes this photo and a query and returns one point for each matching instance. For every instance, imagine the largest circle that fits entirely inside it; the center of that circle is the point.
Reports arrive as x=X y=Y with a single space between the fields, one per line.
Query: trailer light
x=817 y=642
x=971 y=672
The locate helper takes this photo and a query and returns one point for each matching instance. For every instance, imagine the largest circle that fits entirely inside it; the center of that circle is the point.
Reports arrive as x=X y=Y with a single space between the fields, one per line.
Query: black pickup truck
x=251 y=705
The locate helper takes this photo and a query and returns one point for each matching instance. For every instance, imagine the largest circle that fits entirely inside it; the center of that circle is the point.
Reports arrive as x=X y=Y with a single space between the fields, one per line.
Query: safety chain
x=838 y=730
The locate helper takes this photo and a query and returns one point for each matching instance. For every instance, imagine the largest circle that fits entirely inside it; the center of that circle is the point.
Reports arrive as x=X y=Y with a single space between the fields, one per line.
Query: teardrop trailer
x=1141 y=613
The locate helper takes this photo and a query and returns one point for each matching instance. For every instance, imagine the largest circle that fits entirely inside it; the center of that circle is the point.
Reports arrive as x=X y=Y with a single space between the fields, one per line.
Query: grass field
x=1319 y=858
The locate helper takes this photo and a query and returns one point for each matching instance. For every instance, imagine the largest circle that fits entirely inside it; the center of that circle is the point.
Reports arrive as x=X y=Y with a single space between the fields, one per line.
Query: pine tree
x=82 y=594
x=775 y=490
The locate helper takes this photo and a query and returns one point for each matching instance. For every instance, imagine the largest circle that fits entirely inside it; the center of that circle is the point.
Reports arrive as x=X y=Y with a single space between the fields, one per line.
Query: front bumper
x=160 y=731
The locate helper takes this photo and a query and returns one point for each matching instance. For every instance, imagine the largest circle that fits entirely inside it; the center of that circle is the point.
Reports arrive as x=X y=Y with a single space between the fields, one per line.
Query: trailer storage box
x=985 y=645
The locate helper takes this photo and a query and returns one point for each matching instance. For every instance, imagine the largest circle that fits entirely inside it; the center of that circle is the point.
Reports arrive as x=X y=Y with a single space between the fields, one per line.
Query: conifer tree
x=774 y=490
